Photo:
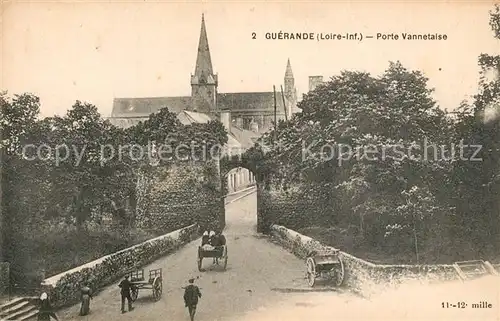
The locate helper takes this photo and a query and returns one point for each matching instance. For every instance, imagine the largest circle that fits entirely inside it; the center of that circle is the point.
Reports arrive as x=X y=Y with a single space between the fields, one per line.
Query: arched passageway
x=241 y=201
x=239 y=178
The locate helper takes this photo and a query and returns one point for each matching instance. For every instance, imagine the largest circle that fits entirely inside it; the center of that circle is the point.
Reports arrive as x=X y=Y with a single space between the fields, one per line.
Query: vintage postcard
x=216 y=160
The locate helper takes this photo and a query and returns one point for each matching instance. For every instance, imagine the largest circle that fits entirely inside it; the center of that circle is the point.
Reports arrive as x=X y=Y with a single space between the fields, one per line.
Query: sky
x=95 y=51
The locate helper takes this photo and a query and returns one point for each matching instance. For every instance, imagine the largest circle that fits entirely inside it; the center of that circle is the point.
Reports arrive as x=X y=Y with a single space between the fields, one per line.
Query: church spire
x=290 y=90
x=203 y=82
x=288 y=72
x=203 y=60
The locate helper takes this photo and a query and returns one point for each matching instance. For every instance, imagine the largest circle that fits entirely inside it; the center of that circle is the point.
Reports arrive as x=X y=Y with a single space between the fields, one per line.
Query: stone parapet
x=64 y=288
x=362 y=276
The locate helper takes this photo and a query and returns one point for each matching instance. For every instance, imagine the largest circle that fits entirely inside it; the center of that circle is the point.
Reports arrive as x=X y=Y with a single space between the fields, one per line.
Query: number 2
x=254 y=35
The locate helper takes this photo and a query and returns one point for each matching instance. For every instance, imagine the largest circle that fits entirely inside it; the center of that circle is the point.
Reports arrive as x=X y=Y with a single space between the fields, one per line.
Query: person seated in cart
x=211 y=237
x=218 y=241
x=205 y=238
x=206 y=241
x=222 y=238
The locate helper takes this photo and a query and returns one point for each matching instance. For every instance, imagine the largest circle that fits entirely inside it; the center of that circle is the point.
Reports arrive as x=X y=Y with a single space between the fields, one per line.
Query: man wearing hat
x=191 y=295
x=125 y=287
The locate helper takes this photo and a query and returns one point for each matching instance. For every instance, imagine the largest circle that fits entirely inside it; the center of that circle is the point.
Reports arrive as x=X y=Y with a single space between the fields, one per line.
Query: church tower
x=204 y=81
x=290 y=90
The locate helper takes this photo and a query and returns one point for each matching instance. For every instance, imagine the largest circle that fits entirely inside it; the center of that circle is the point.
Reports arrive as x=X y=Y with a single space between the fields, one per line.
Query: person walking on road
x=46 y=311
x=125 y=286
x=191 y=295
x=85 y=297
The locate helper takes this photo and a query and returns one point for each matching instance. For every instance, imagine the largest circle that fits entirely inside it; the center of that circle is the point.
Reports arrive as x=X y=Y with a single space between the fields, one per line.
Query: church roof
x=250 y=100
x=148 y=105
x=137 y=107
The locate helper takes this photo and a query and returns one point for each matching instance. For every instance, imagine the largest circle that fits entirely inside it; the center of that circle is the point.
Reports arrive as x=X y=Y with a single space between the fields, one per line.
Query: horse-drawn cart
x=154 y=283
x=326 y=265
x=217 y=253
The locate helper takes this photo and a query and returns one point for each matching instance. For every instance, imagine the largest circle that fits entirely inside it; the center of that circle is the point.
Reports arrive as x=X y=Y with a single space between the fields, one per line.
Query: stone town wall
x=64 y=288
x=180 y=195
x=4 y=277
x=288 y=207
x=362 y=276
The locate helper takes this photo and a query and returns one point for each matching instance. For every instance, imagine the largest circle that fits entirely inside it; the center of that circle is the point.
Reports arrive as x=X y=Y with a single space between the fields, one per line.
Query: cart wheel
x=134 y=293
x=311 y=272
x=225 y=258
x=200 y=259
x=157 y=288
x=340 y=273
x=199 y=264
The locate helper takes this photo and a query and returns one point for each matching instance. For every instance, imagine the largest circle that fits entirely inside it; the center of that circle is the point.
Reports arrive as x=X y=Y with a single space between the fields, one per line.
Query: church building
x=245 y=115
x=251 y=112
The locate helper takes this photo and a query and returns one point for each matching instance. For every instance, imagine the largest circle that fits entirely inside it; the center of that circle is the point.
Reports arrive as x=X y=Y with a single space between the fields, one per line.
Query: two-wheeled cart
x=216 y=252
x=326 y=265
x=153 y=283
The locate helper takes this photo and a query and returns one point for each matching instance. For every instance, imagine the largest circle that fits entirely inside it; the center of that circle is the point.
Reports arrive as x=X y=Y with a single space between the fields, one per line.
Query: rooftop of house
x=148 y=105
x=238 y=137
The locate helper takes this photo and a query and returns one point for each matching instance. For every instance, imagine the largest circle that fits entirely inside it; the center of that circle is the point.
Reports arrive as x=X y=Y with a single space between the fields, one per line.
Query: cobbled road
x=263 y=282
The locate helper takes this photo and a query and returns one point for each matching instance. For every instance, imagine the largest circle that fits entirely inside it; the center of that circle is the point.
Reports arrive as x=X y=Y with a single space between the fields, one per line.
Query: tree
x=480 y=207
x=416 y=215
x=17 y=116
x=349 y=148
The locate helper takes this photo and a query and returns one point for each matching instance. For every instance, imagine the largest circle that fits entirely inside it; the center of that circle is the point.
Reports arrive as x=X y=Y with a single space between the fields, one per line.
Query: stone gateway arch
x=186 y=193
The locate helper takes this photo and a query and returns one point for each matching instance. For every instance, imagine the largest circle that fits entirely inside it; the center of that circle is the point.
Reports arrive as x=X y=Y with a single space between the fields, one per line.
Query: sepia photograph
x=250 y=161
